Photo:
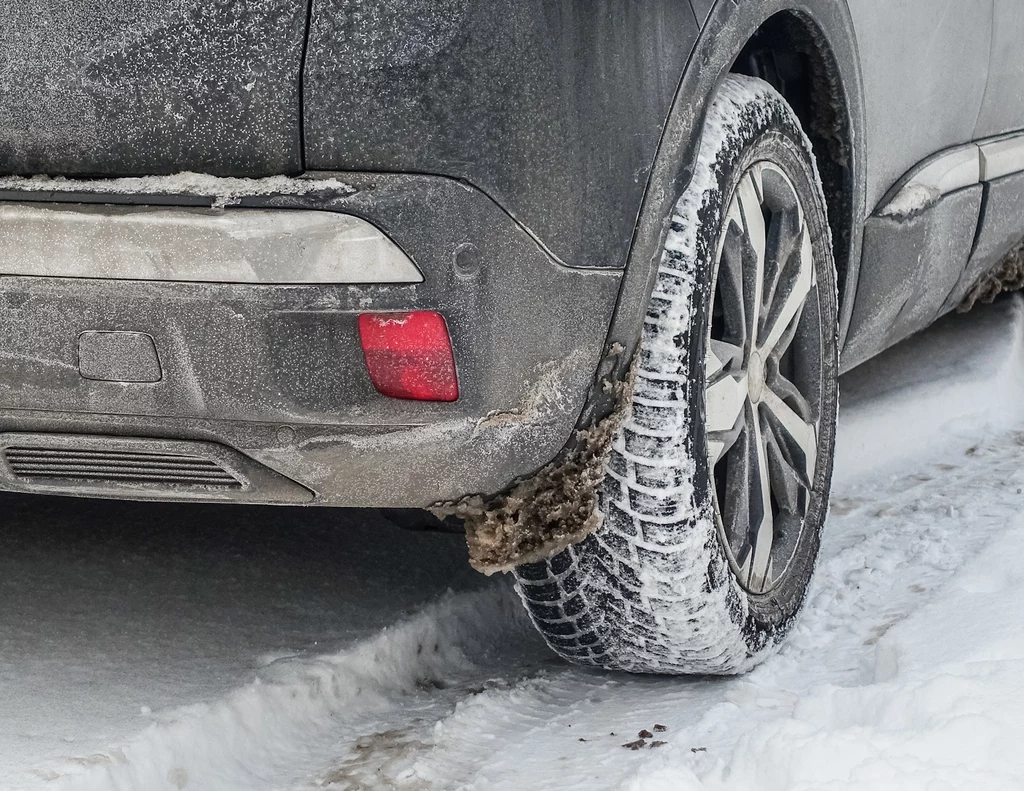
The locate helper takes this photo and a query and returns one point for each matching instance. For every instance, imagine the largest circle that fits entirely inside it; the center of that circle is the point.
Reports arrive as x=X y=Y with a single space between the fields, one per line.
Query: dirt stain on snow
x=178 y=777
x=387 y=754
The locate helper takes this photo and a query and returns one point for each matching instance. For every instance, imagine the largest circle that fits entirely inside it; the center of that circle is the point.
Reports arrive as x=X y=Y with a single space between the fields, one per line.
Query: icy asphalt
x=183 y=647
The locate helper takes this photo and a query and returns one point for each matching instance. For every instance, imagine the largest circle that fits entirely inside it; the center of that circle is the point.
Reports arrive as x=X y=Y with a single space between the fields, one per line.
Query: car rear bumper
x=274 y=372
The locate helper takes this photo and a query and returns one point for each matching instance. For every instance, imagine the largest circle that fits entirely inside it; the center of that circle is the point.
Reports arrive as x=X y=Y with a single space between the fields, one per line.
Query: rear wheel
x=716 y=488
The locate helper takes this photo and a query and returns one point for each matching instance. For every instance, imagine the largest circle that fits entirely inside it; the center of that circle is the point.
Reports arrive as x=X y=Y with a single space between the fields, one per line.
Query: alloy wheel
x=763 y=368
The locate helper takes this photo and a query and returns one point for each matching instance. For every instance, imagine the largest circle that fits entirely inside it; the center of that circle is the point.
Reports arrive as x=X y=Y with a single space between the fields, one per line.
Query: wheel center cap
x=755 y=377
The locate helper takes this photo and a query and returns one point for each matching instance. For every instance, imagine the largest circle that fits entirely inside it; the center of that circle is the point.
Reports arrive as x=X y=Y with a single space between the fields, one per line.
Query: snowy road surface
x=184 y=647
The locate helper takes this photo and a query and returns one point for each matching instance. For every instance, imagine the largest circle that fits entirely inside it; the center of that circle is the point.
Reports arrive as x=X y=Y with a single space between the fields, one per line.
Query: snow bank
x=296 y=709
x=946 y=710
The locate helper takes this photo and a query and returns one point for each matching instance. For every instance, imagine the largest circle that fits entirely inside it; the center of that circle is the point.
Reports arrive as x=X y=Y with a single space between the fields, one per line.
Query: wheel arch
x=820 y=35
x=792 y=53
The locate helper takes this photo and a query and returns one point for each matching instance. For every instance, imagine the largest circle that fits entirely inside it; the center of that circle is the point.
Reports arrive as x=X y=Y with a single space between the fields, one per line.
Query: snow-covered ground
x=156 y=647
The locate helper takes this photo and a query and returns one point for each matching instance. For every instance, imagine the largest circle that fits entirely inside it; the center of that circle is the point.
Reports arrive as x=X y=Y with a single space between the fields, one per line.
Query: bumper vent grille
x=117 y=466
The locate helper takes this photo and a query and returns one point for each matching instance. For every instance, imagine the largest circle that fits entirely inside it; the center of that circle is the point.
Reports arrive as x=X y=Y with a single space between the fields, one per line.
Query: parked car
x=580 y=273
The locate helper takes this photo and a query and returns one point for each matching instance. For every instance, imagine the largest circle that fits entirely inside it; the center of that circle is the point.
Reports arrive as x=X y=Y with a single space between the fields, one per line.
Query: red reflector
x=409 y=355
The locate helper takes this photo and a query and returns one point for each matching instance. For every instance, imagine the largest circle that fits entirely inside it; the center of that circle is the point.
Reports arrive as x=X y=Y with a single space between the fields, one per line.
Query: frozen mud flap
x=544 y=513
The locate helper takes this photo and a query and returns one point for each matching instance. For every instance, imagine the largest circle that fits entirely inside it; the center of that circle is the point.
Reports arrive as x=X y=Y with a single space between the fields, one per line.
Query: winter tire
x=716 y=488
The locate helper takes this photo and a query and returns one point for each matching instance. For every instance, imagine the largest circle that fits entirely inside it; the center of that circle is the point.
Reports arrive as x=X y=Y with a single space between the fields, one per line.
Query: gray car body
x=547 y=139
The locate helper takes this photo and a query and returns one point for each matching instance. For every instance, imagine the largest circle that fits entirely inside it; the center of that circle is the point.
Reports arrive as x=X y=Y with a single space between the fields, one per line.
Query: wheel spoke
x=721 y=358
x=724 y=397
x=762 y=521
x=724 y=403
x=788 y=484
x=722 y=443
x=795 y=283
x=797 y=437
x=749 y=199
x=730 y=297
x=738 y=495
x=790 y=393
x=785 y=236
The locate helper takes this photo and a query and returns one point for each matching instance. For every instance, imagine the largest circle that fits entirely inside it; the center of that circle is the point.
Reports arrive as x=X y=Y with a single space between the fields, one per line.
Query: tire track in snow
x=300 y=715
x=889 y=548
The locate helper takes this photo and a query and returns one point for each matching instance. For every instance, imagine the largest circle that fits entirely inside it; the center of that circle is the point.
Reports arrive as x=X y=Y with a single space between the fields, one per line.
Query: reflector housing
x=409 y=355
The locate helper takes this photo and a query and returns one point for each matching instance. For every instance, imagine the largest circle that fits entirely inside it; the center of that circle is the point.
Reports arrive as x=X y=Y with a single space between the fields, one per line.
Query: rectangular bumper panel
x=197 y=244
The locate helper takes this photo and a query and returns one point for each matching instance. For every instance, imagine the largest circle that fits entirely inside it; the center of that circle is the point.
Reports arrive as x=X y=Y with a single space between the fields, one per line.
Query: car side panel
x=925 y=65
x=554 y=109
x=125 y=87
x=1003 y=108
